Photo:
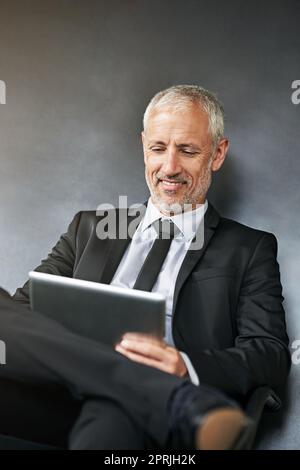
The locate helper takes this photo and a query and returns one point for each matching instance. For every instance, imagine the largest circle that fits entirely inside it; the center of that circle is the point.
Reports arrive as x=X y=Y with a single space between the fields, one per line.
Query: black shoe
x=205 y=419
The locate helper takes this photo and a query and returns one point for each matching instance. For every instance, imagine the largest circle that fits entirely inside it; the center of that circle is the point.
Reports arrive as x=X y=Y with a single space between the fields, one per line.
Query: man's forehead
x=181 y=116
x=184 y=124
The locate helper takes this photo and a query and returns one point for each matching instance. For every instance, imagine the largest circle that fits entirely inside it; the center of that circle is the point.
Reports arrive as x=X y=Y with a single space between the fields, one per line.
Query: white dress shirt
x=138 y=249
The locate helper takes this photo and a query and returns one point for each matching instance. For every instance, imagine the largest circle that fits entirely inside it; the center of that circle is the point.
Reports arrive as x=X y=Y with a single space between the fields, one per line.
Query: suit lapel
x=114 y=255
x=103 y=257
x=116 y=247
x=93 y=259
x=211 y=220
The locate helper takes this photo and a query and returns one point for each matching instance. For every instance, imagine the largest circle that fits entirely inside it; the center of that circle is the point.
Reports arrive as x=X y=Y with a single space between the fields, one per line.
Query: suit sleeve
x=260 y=355
x=60 y=261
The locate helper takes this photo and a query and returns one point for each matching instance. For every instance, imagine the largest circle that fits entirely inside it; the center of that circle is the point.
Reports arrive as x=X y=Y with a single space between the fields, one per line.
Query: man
x=225 y=321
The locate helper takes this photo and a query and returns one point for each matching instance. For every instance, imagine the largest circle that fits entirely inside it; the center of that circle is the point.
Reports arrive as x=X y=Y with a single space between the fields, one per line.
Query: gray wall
x=79 y=75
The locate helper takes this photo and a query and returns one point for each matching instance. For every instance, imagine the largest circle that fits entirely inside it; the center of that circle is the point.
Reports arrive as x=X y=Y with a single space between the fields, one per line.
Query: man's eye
x=157 y=149
x=188 y=152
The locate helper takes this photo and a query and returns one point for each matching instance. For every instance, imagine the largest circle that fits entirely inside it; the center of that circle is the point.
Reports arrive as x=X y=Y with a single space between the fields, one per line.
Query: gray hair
x=179 y=96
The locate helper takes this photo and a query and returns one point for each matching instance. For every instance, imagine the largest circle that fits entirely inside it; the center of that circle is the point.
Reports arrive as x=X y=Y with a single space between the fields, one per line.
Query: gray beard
x=188 y=200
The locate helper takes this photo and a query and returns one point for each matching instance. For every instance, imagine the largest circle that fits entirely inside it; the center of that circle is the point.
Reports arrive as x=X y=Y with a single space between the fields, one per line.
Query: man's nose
x=172 y=164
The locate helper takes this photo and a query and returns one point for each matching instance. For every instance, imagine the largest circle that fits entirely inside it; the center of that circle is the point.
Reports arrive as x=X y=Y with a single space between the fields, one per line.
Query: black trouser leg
x=40 y=351
x=42 y=414
x=104 y=425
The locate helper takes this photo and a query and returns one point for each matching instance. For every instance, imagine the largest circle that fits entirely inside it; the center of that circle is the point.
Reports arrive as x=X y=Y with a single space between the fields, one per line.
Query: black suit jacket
x=227 y=315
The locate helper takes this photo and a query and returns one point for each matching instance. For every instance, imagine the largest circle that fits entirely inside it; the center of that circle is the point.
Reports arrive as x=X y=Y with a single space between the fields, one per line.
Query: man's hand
x=152 y=352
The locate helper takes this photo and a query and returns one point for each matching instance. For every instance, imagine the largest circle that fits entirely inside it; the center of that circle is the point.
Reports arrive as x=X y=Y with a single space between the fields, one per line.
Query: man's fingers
x=146 y=348
x=141 y=337
x=143 y=359
x=165 y=358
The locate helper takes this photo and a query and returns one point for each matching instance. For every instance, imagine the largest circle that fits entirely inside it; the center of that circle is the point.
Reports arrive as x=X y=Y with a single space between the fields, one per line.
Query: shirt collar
x=187 y=222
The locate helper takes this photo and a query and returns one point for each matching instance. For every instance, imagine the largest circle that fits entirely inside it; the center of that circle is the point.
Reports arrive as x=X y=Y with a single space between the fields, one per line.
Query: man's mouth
x=171 y=184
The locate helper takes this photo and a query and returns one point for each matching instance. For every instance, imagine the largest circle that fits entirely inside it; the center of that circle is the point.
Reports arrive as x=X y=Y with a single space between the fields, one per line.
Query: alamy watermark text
x=2 y=92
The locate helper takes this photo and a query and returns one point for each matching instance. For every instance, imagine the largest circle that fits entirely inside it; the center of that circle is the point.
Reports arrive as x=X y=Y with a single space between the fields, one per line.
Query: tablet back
x=99 y=311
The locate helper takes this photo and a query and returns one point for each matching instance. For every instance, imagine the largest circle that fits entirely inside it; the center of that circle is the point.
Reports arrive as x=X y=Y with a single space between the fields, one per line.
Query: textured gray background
x=79 y=75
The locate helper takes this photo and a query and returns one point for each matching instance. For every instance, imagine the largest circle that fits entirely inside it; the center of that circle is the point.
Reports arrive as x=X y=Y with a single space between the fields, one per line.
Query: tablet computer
x=99 y=311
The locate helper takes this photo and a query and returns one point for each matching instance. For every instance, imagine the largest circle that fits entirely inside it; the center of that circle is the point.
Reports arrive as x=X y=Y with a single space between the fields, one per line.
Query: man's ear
x=144 y=144
x=220 y=154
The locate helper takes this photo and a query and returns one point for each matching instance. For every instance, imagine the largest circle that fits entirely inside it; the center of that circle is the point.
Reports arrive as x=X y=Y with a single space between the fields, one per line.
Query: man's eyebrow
x=187 y=144
x=156 y=142
x=184 y=145
x=190 y=145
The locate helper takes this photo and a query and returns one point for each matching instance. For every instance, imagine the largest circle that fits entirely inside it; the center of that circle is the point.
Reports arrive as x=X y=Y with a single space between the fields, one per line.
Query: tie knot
x=165 y=229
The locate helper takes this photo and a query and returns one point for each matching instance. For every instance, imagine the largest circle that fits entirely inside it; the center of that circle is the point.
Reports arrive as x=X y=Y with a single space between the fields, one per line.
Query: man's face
x=179 y=157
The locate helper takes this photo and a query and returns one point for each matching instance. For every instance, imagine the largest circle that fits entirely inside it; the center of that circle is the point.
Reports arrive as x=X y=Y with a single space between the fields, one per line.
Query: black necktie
x=153 y=263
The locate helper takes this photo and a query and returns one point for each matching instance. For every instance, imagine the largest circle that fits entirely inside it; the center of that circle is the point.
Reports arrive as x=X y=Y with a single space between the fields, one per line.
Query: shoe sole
x=221 y=429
